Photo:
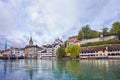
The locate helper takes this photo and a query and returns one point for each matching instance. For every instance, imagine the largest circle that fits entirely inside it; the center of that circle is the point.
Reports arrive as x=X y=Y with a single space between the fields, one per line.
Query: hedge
x=101 y=43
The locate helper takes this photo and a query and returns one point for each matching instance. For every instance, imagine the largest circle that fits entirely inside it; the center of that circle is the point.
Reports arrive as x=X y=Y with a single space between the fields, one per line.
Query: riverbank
x=65 y=58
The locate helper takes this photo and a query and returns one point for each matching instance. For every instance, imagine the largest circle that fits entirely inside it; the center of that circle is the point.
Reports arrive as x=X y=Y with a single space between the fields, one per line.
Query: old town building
x=30 y=51
x=73 y=40
x=101 y=51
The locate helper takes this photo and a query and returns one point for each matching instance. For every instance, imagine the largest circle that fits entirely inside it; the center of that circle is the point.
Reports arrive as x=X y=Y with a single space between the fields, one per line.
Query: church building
x=31 y=50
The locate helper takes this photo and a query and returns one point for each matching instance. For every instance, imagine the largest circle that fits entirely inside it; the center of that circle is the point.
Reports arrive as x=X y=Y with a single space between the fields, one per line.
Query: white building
x=45 y=51
x=49 y=50
x=17 y=51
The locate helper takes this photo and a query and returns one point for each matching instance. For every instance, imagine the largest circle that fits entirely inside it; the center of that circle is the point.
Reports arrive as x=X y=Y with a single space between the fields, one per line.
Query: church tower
x=30 y=42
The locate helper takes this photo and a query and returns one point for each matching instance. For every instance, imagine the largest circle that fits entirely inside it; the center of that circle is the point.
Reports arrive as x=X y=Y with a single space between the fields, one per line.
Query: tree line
x=87 y=33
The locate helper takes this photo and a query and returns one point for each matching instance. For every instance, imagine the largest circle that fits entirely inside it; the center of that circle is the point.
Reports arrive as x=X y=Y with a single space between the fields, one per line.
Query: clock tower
x=30 y=42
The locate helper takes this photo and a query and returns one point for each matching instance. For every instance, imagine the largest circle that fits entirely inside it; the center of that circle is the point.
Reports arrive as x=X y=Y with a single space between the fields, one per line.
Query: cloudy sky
x=46 y=20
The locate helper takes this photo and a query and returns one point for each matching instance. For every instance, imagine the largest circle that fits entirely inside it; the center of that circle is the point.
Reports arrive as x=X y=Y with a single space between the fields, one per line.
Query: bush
x=61 y=52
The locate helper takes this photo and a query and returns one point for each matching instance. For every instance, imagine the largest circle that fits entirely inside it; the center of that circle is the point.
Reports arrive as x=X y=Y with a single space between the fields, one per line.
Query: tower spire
x=30 y=38
x=31 y=41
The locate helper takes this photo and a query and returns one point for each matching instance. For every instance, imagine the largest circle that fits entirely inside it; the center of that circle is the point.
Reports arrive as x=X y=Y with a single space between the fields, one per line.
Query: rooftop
x=72 y=37
x=109 y=47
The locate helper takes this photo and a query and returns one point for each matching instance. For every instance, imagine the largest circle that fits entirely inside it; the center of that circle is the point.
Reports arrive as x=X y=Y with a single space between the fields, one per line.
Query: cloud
x=46 y=20
x=99 y=13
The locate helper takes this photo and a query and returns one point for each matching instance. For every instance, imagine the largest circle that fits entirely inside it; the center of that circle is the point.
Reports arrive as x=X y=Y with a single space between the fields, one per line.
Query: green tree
x=86 y=33
x=93 y=34
x=115 y=29
x=80 y=35
x=86 y=29
x=65 y=43
x=105 y=31
x=73 y=50
x=61 y=52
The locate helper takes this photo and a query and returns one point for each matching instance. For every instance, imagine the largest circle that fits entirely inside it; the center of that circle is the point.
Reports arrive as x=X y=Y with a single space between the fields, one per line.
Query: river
x=59 y=69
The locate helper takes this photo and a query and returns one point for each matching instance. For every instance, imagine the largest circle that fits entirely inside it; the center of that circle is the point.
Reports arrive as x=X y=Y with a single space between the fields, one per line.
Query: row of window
x=112 y=54
x=103 y=51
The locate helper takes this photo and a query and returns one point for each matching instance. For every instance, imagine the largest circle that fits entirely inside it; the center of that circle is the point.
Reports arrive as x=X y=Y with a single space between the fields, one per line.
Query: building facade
x=49 y=50
x=7 y=52
x=102 y=51
x=17 y=51
x=73 y=40
x=46 y=51
x=30 y=51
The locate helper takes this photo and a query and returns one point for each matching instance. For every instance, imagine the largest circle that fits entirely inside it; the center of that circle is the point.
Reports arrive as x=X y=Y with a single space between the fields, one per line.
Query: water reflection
x=73 y=68
x=60 y=70
x=31 y=67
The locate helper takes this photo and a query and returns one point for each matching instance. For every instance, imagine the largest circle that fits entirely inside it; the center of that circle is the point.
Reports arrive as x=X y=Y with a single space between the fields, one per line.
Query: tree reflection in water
x=60 y=70
x=73 y=68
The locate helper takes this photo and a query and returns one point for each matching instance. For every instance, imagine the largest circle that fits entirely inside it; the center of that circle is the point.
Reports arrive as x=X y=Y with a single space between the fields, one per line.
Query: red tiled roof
x=101 y=48
x=72 y=37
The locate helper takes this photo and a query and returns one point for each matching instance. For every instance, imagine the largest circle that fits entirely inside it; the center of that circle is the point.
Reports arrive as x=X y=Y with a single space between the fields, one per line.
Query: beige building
x=1 y=54
x=7 y=52
x=30 y=51
x=101 y=51
x=73 y=40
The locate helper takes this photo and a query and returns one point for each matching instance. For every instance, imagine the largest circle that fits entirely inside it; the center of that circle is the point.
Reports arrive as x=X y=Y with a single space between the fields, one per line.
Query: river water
x=59 y=69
